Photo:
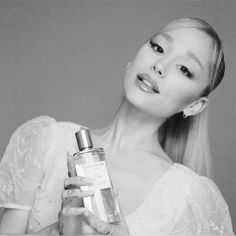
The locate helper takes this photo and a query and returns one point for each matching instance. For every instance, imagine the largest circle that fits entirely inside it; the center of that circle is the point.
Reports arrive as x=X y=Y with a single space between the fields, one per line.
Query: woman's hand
x=74 y=218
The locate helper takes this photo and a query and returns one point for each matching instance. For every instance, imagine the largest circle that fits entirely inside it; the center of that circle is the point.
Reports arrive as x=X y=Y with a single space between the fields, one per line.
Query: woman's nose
x=159 y=69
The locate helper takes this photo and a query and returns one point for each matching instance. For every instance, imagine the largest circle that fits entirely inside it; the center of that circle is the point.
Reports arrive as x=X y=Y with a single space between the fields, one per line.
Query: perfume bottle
x=90 y=162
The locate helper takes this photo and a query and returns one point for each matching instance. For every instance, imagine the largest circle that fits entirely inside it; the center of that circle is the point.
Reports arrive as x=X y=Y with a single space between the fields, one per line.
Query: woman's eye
x=185 y=71
x=156 y=47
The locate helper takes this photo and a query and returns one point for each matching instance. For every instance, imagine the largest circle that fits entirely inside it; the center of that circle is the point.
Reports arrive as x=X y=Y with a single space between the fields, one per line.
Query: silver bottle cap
x=84 y=139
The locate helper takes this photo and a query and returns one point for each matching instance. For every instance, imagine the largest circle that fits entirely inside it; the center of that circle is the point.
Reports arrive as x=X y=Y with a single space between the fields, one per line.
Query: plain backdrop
x=67 y=59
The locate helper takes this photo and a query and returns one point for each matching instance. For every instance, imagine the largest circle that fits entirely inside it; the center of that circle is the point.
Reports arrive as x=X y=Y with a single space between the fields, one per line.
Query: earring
x=186 y=113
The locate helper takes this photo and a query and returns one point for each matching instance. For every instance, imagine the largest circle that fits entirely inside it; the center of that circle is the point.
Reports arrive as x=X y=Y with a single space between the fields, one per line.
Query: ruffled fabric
x=22 y=165
x=182 y=203
x=206 y=211
x=34 y=167
x=48 y=200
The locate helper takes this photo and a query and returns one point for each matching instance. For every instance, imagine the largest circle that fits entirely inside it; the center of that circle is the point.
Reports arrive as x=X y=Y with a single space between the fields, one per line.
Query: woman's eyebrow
x=167 y=37
x=189 y=53
x=195 y=58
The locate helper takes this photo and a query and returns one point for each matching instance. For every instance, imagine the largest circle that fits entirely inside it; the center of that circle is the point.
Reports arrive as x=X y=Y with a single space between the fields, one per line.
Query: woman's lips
x=146 y=83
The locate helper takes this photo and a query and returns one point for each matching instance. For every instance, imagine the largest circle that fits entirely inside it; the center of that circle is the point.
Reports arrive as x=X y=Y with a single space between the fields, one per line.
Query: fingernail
x=65 y=210
x=67 y=194
x=85 y=213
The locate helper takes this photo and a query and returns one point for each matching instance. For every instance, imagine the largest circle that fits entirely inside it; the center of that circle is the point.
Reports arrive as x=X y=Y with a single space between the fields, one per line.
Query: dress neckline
x=173 y=166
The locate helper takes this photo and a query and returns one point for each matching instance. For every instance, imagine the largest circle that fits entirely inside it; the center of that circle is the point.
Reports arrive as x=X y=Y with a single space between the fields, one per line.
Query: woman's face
x=169 y=71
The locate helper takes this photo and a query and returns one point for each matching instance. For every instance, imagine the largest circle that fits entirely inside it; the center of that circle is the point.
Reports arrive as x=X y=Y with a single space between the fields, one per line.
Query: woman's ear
x=196 y=107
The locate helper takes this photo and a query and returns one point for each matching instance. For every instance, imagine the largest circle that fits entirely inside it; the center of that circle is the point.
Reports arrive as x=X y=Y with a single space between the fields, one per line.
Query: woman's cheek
x=178 y=96
x=127 y=80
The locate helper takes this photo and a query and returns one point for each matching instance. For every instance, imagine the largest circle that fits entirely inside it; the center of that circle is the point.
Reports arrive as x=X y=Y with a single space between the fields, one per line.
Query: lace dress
x=34 y=166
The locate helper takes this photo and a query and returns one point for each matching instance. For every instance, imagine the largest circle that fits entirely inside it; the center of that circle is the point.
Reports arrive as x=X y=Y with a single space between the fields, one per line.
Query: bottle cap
x=84 y=139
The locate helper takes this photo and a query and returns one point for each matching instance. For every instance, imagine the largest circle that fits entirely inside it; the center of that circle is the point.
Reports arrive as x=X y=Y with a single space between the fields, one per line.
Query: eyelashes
x=157 y=48
x=185 y=71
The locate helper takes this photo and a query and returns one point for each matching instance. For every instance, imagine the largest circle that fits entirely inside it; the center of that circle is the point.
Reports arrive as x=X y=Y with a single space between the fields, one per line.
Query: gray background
x=67 y=59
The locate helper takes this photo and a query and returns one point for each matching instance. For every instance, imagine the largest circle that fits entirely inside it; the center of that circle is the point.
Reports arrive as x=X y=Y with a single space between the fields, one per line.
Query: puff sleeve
x=23 y=164
x=206 y=211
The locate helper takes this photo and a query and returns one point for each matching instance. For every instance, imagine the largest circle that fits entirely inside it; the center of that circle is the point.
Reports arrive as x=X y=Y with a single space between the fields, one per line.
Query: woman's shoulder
x=206 y=203
x=183 y=188
x=184 y=197
x=48 y=122
x=198 y=188
x=185 y=174
x=36 y=122
x=183 y=178
x=44 y=130
x=207 y=193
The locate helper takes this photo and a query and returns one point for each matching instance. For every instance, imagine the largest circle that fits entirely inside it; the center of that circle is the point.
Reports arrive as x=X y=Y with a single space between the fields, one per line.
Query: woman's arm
x=14 y=221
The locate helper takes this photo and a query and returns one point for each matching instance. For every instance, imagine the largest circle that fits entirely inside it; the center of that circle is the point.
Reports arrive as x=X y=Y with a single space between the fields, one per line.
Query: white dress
x=34 y=167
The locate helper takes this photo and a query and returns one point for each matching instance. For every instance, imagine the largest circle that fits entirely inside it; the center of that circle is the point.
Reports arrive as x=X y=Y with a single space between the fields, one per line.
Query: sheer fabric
x=34 y=167
x=23 y=164
x=182 y=202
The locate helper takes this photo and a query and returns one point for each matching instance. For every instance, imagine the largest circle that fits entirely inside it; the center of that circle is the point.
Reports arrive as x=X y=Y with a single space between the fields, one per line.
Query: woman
x=156 y=145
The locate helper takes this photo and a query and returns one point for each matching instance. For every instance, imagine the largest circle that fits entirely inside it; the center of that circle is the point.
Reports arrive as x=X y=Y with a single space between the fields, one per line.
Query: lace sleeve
x=206 y=211
x=23 y=163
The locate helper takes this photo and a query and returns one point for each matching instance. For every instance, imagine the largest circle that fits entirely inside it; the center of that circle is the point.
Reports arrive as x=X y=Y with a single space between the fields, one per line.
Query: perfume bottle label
x=97 y=171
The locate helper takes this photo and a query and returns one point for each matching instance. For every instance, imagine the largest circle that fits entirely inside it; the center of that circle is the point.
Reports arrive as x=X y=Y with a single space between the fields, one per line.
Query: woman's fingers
x=73 y=193
x=76 y=193
x=99 y=225
x=72 y=211
x=77 y=181
x=93 y=221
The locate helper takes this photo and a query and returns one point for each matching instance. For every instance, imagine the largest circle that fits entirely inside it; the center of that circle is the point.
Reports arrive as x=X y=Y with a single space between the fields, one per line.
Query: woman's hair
x=185 y=140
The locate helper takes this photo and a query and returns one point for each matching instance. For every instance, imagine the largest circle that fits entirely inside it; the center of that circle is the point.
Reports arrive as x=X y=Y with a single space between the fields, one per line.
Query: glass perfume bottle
x=90 y=162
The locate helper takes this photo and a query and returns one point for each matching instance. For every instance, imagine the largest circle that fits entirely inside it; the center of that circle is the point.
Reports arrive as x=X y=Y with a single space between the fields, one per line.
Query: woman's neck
x=131 y=128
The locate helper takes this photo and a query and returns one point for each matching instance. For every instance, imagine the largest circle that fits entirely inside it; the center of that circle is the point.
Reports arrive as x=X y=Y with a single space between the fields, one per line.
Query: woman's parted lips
x=148 y=78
